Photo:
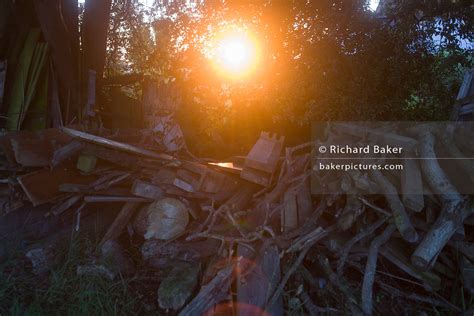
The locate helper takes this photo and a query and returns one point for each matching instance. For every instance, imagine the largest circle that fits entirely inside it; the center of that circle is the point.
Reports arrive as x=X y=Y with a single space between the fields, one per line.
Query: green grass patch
x=61 y=291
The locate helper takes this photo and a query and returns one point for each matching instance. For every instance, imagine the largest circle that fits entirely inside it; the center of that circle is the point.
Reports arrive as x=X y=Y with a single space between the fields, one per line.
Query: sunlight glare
x=235 y=54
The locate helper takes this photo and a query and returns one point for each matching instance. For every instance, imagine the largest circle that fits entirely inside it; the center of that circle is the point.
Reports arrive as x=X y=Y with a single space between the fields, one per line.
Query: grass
x=61 y=291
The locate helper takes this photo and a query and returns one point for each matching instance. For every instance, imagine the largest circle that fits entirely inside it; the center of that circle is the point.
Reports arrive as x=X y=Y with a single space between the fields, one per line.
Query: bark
x=402 y=221
x=370 y=268
x=455 y=208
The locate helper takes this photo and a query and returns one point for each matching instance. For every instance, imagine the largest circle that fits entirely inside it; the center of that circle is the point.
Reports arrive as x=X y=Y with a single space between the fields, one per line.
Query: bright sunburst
x=235 y=53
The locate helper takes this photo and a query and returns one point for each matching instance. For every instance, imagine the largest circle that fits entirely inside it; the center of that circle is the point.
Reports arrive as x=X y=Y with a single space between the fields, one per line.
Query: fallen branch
x=343 y=253
x=341 y=284
x=211 y=293
x=453 y=214
x=369 y=275
x=402 y=221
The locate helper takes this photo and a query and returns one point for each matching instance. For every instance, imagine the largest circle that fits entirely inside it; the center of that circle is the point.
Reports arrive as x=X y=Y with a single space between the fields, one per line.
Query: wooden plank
x=120 y=222
x=147 y=190
x=265 y=153
x=107 y=198
x=35 y=149
x=211 y=294
x=117 y=145
x=65 y=205
x=86 y=189
x=65 y=152
x=254 y=288
x=43 y=186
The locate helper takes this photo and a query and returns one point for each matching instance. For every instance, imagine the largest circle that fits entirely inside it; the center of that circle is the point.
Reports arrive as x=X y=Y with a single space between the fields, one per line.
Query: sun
x=235 y=54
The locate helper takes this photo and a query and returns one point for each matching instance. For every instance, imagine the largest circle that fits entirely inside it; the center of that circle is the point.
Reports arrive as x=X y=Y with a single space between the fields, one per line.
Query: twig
x=341 y=284
x=287 y=276
x=420 y=298
x=370 y=267
x=310 y=239
x=375 y=207
x=343 y=253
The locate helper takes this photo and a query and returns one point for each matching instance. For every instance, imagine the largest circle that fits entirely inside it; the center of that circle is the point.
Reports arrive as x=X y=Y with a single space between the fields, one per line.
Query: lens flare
x=235 y=54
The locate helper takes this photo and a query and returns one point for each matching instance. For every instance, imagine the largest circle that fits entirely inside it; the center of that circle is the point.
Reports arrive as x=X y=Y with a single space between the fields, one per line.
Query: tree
x=321 y=60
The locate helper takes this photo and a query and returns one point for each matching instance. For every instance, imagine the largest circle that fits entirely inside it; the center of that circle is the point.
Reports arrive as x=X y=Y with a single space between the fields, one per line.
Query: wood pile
x=249 y=235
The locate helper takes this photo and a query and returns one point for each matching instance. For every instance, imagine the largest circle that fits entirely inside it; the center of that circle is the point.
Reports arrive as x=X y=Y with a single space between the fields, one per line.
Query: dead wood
x=123 y=217
x=210 y=294
x=400 y=216
x=455 y=209
x=369 y=273
x=115 y=145
x=339 y=282
x=344 y=251
x=256 y=283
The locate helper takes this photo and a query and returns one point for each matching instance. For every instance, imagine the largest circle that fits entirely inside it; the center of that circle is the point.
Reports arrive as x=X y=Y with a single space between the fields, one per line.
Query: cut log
x=162 y=219
x=455 y=208
x=210 y=294
x=159 y=254
x=395 y=254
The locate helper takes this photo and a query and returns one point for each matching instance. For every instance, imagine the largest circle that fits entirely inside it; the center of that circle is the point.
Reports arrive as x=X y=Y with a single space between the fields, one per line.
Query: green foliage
x=321 y=60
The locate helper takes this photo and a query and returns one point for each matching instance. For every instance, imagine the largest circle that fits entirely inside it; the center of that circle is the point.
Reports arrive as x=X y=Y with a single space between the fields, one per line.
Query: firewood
x=370 y=267
x=401 y=219
x=163 y=219
x=159 y=254
x=115 y=145
x=394 y=253
x=455 y=207
x=120 y=222
x=352 y=210
x=254 y=287
x=210 y=294
x=339 y=282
